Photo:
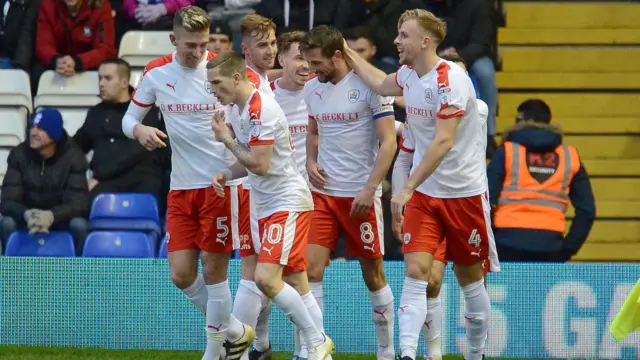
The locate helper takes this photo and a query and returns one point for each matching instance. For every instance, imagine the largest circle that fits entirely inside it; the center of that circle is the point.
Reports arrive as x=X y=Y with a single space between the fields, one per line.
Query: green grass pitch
x=49 y=353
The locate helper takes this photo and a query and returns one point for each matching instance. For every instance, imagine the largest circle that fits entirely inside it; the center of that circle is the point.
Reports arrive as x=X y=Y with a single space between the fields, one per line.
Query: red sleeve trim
x=450 y=116
x=256 y=142
x=139 y=103
x=404 y=148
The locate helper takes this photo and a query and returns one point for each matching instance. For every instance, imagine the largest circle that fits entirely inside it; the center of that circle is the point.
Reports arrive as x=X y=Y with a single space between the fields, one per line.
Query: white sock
x=432 y=326
x=382 y=304
x=291 y=304
x=218 y=314
x=314 y=310
x=246 y=306
x=318 y=294
x=261 y=342
x=197 y=293
x=411 y=315
x=477 y=310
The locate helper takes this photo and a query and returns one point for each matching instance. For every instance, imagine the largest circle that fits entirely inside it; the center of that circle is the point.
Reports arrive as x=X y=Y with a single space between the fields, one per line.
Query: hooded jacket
x=541 y=138
x=58 y=184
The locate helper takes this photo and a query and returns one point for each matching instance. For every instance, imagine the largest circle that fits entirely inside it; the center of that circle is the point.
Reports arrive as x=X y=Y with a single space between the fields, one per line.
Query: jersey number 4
x=474 y=238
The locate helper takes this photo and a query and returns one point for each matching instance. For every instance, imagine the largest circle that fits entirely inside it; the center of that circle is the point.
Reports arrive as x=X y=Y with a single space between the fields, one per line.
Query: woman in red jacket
x=74 y=35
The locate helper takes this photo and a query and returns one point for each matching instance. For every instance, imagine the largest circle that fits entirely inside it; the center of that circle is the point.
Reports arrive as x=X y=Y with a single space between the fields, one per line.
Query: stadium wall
x=539 y=311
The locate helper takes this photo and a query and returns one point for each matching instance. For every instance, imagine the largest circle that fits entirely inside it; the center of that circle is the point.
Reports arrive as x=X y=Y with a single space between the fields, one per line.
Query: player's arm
x=256 y=159
x=314 y=170
x=447 y=122
x=142 y=100
x=235 y=171
x=404 y=160
x=386 y=131
x=312 y=140
x=376 y=79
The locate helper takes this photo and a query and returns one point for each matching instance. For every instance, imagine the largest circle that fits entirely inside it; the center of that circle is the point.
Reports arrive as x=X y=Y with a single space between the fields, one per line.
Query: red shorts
x=199 y=219
x=241 y=221
x=441 y=256
x=364 y=236
x=464 y=222
x=284 y=240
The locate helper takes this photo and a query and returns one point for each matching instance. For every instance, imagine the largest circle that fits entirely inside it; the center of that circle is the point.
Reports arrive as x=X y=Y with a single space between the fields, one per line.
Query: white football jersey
x=260 y=82
x=262 y=122
x=295 y=109
x=348 y=144
x=187 y=104
x=462 y=172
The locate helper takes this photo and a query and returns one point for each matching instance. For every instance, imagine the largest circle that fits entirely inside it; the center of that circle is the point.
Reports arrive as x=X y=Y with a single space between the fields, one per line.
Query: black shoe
x=260 y=355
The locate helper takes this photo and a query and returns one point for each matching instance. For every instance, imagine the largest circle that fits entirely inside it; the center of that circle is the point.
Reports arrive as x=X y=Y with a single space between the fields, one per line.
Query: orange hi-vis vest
x=524 y=202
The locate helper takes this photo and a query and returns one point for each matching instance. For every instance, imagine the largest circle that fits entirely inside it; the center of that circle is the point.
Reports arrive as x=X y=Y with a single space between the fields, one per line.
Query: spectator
x=360 y=40
x=73 y=36
x=152 y=14
x=119 y=164
x=532 y=177
x=289 y=15
x=220 y=37
x=470 y=35
x=45 y=187
x=18 y=33
x=381 y=16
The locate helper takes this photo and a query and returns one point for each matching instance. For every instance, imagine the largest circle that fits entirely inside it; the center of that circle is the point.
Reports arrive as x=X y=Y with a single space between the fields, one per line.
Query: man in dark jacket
x=18 y=33
x=531 y=188
x=45 y=186
x=470 y=34
x=119 y=164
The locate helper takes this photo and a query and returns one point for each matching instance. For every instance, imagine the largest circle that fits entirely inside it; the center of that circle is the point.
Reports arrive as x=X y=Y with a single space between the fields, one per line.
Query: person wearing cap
x=45 y=186
x=220 y=37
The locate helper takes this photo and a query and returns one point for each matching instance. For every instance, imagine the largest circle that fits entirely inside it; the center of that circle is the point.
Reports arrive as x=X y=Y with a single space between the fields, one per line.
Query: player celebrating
x=431 y=329
x=197 y=219
x=259 y=47
x=350 y=146
x=449 y=176
x=282 y=199
x=289 y=95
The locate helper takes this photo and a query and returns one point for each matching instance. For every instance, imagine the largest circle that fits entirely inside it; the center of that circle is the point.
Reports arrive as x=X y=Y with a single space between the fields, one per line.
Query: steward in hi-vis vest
x=533 y=178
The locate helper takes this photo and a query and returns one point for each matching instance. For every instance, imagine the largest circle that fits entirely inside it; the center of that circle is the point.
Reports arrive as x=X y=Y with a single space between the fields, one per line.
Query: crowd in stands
x=46 y=186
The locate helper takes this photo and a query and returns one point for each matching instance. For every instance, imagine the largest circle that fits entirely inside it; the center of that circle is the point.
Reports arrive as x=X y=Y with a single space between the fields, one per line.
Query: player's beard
x=326 y=76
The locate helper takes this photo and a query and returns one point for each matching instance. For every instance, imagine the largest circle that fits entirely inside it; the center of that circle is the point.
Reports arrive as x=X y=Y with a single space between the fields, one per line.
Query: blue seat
x=162 y=253
x=118 y=244
x=53 y=244
x=125 y=211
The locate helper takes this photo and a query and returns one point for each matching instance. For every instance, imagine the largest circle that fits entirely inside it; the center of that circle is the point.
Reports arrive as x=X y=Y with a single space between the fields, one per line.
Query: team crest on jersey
x=207 y=87
x=428 y=96
x=407 y=238
x=353 y=95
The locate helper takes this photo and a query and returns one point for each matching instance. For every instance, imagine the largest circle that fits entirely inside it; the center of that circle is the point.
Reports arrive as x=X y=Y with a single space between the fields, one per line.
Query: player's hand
x=398 y=201
x=316 y=175
x=220 y=127
x=219 y=181
x=363 y=202
x=149 y=137
x=396 y=225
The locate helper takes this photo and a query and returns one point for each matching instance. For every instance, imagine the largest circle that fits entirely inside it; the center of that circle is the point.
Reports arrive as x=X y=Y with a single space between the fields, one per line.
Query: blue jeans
x=6 y=63
x=484 y=71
